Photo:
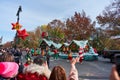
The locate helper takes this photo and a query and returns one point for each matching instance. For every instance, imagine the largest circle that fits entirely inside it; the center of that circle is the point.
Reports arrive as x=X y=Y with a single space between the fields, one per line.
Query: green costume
x=38 y=51
x=28 y=56
x=32 y=51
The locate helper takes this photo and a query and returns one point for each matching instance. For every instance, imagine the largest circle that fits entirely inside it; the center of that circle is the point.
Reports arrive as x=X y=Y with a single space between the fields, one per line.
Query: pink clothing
x=73 y=73
x=8 y=69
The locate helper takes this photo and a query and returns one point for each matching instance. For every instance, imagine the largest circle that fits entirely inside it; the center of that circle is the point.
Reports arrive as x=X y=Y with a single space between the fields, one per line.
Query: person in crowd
x=36 y=71
x=59 y=73
x=8 y=70
x=18 y=59
x=17 y=55
x=55 y=54
x=28 y=62
x=32 y=51
x=42 y=62
x=28 y=54
x=3 y=50
x=38 y=51
x=114 y=74
x=47 y=55
x=73 y=74
x=7 y=57
x=42 y=52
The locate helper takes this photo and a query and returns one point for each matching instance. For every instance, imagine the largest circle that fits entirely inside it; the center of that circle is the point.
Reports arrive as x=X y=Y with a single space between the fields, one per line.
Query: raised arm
x=73 y=75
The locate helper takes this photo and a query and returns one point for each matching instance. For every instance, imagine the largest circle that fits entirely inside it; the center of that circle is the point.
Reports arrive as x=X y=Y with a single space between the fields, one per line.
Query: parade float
x=45 y=43
x=49 y=44
x=89 y=54
x=65 y=49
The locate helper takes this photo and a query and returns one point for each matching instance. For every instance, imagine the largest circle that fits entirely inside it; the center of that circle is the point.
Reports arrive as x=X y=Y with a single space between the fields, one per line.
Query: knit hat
x=8 y=69
x=39 y=60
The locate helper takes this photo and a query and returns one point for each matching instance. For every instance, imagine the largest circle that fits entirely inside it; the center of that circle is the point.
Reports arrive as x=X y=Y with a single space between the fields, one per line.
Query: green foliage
x=110 y=24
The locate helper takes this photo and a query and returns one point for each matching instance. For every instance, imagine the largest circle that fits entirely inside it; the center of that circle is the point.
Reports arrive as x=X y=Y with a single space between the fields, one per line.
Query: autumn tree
x=55 y=30
x=44 y=28
x=34 y=37
x=7 y=45
x=97 y=39
x=110 y=24
x=38 y=33
x=32 y=41
x=56 y=23
x=79 y=27
x=110 y=18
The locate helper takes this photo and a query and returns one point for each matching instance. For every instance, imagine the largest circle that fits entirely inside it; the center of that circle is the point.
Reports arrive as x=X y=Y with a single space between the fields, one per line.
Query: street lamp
x=18 y=18
x=18 y=13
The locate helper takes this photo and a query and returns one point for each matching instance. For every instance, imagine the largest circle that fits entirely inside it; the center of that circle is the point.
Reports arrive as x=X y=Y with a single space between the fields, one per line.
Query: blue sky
x=39 y=12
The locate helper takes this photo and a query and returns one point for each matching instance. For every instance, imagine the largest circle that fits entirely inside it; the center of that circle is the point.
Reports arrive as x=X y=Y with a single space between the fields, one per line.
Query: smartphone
x=117 y=62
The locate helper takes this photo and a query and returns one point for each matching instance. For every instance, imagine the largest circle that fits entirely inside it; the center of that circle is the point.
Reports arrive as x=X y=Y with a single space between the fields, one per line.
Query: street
x=88 y=70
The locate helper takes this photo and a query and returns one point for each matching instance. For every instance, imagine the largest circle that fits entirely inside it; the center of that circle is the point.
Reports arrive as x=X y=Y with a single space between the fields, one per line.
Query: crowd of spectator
x=12 y=67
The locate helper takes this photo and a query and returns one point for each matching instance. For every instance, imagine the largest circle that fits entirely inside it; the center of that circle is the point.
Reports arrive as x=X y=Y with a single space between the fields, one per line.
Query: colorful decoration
x=63 y=48
x=16 y=26
x=67 y=48
x=70 y=56
x=22 y=34
x=74 y=47
x=86 y=49
x=44 y=34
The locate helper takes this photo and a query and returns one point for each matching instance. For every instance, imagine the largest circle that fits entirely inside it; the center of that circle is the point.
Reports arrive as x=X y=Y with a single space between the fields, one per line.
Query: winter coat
x=41 y=70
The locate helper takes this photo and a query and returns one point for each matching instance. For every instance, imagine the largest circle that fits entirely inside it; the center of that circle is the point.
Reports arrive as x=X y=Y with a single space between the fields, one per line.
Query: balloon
x=44 y=34
x=22 y=34
x=16 y=26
